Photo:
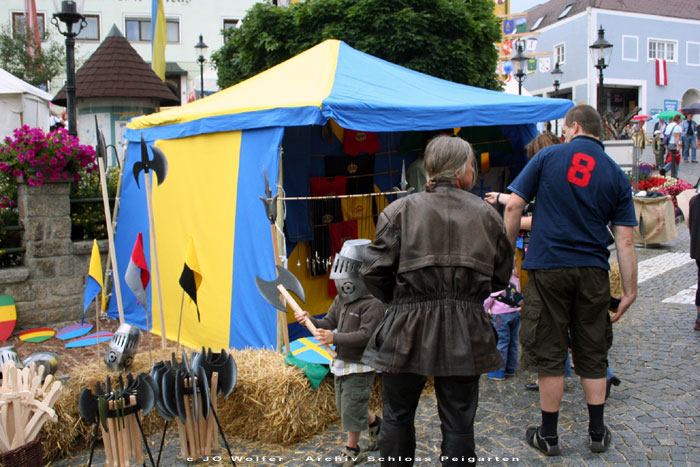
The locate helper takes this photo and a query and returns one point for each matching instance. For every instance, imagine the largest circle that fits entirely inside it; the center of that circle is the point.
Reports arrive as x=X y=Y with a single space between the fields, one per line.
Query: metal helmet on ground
x=9 y=354
x=49 y=360
x=345 y=271
x=122 y=347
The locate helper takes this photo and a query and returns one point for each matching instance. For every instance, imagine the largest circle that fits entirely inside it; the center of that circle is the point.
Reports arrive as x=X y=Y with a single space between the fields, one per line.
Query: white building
x=641 y=32
x=186 y=20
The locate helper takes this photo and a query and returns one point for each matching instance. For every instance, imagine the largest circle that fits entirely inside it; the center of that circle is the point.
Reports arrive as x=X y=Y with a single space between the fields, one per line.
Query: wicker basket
x=29 y=455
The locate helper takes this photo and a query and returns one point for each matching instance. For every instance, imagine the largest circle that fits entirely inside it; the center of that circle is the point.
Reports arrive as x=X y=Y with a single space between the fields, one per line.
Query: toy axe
x=270 y=203
x=159 y=165
x=286 y=281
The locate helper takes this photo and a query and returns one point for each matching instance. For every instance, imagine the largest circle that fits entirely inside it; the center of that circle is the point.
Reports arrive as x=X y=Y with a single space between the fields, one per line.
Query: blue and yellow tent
x=217 y=147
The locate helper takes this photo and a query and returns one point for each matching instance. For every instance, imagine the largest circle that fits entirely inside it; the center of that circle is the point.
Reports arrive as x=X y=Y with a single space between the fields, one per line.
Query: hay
x=615 y=280
x=272 y=403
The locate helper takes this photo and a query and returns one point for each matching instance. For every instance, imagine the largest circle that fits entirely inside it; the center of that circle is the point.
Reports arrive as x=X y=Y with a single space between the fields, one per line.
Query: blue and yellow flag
x=159 y=37
x=93 y=285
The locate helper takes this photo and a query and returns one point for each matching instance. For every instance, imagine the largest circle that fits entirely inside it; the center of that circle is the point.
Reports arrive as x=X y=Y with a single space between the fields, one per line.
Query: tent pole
x=156 y=271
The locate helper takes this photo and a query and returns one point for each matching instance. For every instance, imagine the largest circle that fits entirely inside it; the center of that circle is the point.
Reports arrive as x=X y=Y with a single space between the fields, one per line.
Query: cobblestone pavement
x=654 y=414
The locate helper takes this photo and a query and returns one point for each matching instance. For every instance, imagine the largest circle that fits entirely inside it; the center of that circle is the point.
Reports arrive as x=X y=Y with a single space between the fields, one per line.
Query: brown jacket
x=436 y=257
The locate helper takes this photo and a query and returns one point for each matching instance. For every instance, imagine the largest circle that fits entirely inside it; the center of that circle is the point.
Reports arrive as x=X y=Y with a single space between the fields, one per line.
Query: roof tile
x=115 y=69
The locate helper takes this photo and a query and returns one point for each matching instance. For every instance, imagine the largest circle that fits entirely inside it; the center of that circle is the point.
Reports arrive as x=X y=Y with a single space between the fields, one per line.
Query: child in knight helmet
x=504 y=308
x=349 y=323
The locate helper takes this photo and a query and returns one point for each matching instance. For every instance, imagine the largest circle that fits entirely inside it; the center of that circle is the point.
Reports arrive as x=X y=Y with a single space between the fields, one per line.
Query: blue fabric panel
x=253 y=320
x=133 y=218
x=371 y=94
x=278 y=117
x=296 y=163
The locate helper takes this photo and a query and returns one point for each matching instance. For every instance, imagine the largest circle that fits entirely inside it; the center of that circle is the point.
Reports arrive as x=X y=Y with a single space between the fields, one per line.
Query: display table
x=656 y=218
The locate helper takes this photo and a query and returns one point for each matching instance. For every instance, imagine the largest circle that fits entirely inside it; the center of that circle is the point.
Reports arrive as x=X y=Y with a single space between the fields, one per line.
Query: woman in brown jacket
x=436 y=256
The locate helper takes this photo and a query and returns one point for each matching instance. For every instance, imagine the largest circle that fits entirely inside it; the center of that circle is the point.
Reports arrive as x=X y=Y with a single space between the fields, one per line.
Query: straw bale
x=615 y=280
x=272 y=402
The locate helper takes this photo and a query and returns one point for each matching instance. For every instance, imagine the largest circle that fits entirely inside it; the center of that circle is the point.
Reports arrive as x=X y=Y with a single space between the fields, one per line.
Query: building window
x=91 y=32
x=560 y=54
x=232 y=23
x=139 y=29
x=566 y=10
x=537 y=23
x=19 y=23
x=692 y=53
x=630 y=48
x=661 y=49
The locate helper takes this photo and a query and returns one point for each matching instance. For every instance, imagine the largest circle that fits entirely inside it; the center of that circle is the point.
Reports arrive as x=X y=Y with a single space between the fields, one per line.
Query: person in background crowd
x=568 y=290
x=436 y=256
x=673 y=146
x=688 y=129
x=504 y=309
x=659 y=149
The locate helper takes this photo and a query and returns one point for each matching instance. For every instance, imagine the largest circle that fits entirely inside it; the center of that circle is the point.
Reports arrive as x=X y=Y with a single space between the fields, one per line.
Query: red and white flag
x=33 y=38
x=661 y=76
x=137 y=275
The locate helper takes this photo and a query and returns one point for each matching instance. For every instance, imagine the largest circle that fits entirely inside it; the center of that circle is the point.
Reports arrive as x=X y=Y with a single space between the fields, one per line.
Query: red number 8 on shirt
x=579 y=174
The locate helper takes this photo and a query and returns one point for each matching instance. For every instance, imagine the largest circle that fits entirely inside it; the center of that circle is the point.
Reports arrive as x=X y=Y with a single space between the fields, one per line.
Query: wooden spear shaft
x=156 y=274
x=110 y=238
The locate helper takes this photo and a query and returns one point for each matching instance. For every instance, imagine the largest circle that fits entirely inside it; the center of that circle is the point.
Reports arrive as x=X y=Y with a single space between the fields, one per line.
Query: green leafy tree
x=35 y=70
x=450 y=39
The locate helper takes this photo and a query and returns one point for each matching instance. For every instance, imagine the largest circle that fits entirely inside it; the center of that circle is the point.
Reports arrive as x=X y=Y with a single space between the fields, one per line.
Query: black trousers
x=457 y=399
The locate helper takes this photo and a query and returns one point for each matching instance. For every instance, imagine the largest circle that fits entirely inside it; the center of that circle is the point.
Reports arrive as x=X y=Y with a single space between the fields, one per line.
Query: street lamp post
x=201 y=48
x=601 y=50
x=520 y=59
x=68 y=13
x=556 y=72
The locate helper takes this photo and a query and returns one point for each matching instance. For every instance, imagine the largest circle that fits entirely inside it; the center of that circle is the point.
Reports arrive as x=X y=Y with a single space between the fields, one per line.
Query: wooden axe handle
x=309 y=325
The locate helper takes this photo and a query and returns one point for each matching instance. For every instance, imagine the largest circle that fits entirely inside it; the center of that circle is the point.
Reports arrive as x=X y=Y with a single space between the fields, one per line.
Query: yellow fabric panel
x=315 y=287
x=304 y=80
x=359 y=209
x=207 y=215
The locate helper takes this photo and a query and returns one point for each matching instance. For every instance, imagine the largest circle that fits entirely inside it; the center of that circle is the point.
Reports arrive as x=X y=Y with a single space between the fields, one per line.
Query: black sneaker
x=603 y=440
x=548 y=445
x=373 y=432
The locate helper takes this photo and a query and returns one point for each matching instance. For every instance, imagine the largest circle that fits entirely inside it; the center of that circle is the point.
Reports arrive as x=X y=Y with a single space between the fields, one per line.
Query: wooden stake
x=179 y=324
x=156 y=273
x=97 y=323
x=110 y=239
x=212 y=440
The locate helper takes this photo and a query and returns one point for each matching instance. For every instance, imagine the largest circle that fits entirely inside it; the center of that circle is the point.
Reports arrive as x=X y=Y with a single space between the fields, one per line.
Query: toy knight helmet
x=9 y=354
x=122 y=347
x=345 y=271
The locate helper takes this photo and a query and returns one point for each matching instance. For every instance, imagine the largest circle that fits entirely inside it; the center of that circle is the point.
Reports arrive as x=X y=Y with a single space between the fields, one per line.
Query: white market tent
x=21 y=104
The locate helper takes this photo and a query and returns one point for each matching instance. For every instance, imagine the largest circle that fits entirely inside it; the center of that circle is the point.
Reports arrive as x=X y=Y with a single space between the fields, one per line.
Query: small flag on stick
x=137 y=275
x=93 y=286
x=191 y=276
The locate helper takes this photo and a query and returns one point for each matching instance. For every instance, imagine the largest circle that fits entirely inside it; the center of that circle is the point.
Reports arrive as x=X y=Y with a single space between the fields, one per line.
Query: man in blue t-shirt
x=578 y=190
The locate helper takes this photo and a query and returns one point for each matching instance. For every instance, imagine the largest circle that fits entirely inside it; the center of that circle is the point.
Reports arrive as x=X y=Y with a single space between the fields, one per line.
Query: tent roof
x=10 y=84
x=357 y=90
x=115 y=69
